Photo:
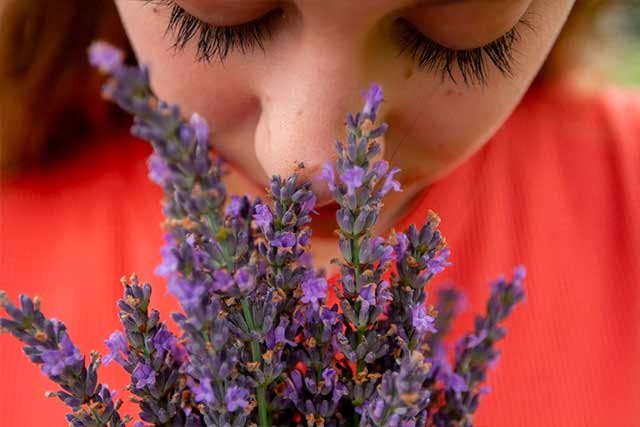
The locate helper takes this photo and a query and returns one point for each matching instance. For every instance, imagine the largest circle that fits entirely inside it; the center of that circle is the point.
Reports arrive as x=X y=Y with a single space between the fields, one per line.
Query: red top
x=557 y=189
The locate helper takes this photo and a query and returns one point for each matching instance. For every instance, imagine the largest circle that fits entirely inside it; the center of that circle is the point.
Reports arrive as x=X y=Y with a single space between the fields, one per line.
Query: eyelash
x=472 y=63
x=427 y=54
x=216 y=40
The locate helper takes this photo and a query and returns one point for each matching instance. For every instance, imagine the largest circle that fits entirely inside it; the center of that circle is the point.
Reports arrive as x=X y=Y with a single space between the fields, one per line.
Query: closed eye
x=216 y=41
x=472 y=64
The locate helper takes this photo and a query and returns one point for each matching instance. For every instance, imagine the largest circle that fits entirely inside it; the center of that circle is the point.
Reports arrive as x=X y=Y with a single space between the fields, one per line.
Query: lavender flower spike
x=314 y=289
x=259 y=343
x=48 y=344
x=105 y=57
x=236 y=398
x=373 y=98
x=475 y=352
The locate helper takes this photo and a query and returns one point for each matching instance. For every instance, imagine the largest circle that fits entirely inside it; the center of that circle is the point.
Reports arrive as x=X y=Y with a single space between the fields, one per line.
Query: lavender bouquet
x=258 y=342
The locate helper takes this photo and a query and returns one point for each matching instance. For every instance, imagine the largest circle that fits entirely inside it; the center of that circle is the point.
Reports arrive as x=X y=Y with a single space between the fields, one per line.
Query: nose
x=303 y=113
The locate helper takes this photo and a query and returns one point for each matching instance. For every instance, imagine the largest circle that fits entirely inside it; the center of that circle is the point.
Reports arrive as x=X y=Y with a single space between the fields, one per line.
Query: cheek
x=451 y=122
x=219 y=92
x=446 y=124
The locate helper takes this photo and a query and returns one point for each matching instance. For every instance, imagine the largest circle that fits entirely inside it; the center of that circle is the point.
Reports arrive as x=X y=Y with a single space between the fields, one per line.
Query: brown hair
x=568 y=53
x=48 y=94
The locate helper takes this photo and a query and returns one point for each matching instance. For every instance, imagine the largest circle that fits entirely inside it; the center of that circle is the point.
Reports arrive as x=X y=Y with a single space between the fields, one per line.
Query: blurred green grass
x=628 y=71
x=620 y=36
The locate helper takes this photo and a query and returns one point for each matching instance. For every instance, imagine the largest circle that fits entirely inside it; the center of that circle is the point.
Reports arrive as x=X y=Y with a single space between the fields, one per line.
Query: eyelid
x=471 y=63
x=469 y=25
x=226 y=14
x=215 y=41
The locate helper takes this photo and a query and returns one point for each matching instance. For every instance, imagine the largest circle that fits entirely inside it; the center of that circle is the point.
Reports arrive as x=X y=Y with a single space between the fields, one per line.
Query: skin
x=272 y=109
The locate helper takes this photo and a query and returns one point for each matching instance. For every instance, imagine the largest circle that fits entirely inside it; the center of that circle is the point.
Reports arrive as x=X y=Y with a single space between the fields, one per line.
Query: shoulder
x=620 y=108
x=573 y=126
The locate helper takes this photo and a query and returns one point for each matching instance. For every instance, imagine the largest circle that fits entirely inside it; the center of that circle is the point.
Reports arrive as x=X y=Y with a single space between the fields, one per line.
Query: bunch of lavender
x=48 y=344
x=259 y=343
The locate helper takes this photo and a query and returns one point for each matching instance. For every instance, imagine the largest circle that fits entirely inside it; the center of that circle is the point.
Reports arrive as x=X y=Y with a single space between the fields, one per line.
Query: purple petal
x=373 y=98
x=201 y=129
x=327 y=175
x=352 y=178
x=105 y=57
x=390 y=183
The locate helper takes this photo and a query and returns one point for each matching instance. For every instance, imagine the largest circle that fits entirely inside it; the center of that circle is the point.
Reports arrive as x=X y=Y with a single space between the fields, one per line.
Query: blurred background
x=43 y=51
x=617 y=31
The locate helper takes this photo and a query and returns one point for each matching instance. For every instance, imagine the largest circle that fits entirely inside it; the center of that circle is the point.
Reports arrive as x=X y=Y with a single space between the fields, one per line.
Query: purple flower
x=308 y=205
x=387 y=254
x=327 y=175
x=402 y=245
x=384 y=294
x=328 y=375
x=352 y=178
x=422 y=321
x=263 y=217
x=169 y=263
x=277 y=335
x=186 y=291
x=369 y=249
x=186 y=135
x=519 y=273
x=235 y=205
x=378 y=409
x=475 y=340
x=163 y=340
x=368 y=293
x=67 y=356
x=201 y=129
x=293 y=385
x=222 y=281
x=390 y=183
x=339 y=390
x=198 y=256
x=202 y=390
x=305 y=259
x=283 y=239
x=380 y=167
x=244 y=279
x=236 y=397
x=158 y=170
x=314 y=289
x=303 y=239
x=105 y=57
x=178 y=352
x=328 y=317
x=455 y=382
x=144 y=375
x=452 y=380
x=117 y=344
x=438 y=263
x=373 y=98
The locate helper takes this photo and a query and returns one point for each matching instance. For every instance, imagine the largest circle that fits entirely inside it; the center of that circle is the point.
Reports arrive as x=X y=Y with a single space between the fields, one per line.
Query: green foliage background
x=619 y=34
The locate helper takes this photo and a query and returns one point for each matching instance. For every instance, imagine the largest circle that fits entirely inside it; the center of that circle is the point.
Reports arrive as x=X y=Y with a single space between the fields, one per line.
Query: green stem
x=255 y=355
x=355 y=263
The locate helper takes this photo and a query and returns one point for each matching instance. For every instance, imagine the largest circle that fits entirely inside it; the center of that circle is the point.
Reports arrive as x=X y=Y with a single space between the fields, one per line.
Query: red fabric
x=556 y=189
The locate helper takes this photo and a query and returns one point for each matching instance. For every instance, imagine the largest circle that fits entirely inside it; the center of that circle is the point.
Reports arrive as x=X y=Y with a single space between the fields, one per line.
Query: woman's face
x=275 y=78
